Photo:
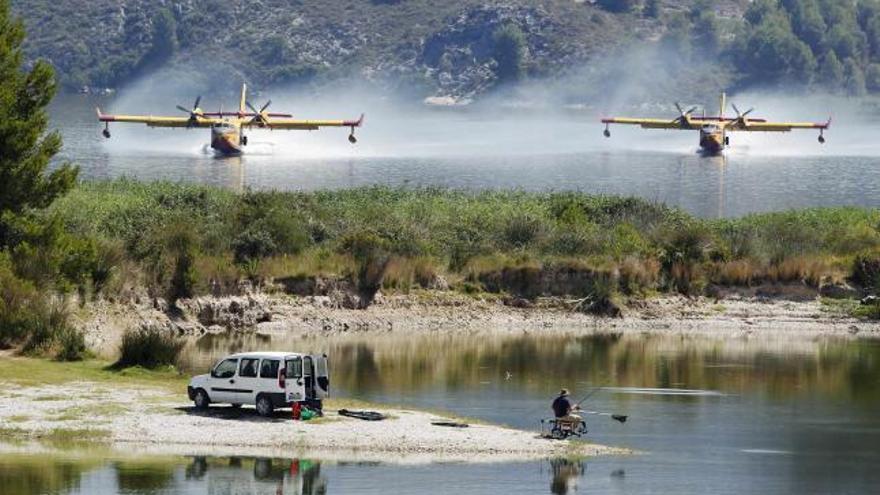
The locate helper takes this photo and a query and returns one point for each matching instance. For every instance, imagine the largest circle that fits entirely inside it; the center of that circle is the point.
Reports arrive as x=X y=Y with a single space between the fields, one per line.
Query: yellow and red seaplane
x=227 y=128
x=713 y=130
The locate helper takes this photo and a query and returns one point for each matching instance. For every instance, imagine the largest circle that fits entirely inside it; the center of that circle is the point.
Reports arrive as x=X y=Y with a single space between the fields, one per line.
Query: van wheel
x=201 y=400
x=264 y=406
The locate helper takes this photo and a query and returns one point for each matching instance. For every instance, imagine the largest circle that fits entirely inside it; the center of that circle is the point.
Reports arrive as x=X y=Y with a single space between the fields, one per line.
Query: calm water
x=760 y=173
x=711 y=416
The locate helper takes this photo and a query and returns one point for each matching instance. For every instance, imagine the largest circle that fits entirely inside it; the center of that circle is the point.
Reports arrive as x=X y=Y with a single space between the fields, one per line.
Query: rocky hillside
x=449 y=48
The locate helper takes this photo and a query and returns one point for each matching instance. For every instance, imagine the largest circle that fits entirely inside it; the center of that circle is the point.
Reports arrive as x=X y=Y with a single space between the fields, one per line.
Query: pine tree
x=26 y=146
x=831 y=72
x=510 y=52
x=855 y=78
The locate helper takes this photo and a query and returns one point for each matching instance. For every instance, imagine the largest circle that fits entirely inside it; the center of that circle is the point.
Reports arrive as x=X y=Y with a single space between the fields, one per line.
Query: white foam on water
x=663 y=391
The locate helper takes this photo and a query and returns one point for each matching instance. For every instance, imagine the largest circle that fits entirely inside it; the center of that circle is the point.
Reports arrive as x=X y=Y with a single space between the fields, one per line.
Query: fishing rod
x=616 y=417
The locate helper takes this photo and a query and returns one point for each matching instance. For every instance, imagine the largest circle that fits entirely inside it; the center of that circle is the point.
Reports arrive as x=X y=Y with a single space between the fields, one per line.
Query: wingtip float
x=227 y=128
x=714 y=130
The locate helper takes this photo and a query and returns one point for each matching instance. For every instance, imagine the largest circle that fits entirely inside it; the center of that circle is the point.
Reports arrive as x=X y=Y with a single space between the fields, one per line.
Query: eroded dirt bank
x=447 y=312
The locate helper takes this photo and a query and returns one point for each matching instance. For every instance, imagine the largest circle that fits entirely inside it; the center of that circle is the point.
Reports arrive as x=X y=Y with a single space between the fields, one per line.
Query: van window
x=249 y=368
x=294 y=368
x=269 y=368
x=322 y=366
x=226 y=369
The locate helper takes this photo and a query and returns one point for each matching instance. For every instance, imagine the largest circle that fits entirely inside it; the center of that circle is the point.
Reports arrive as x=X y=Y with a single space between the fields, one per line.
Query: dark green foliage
x=831 y=72
x=269 y=225
x=522 y=230
x=866 y=272
x=371 y=255
x=164 y=40
x=253 y=244
x=27 y=147
x=366 y=230
x=653 y=9
x=510 y=52
x=150 y=348
x=770 y=49
x=619 y=5
x=677 y=38
x=71 y=345
x=36 y=255
x=706 y=31
x=855 y=78
x=182 y=247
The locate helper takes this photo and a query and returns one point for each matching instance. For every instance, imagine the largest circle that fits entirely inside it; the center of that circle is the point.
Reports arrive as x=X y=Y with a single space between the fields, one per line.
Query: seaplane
x=714 y=130
x=227 y=128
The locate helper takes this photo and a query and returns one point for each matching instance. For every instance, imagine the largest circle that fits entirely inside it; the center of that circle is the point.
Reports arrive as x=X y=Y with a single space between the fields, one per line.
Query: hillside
x=463 y=48
x=439 y=48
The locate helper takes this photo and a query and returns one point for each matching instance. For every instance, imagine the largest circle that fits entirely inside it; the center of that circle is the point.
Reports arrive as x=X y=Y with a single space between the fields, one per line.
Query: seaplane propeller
x=195 y=113
x=261 y=116
x=741 y=116
x=683 y=116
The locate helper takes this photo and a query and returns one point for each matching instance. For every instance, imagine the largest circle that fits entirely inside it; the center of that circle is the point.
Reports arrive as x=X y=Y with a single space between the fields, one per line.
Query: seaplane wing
x=298 y=124
x=649 y=123
x=160 y=121
x=741 y=125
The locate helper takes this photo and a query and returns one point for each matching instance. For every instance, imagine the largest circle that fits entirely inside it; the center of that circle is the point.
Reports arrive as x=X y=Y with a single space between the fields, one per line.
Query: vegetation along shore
x=162 y=244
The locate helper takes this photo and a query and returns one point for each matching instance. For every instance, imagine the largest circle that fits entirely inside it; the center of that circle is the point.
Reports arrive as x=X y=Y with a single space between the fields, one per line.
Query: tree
x=807 y=22
x=872 y=78
x=854 y=77
x=510 y=52
x=26 y=146
x=165 y=43
x=619 y=5
x=831 y=72
x=677 y=38
x=772 y=50
x=652 y=9
x=706 y=32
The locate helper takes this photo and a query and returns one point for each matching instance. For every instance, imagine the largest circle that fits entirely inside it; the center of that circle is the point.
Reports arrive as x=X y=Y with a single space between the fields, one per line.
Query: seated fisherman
x=563 y=409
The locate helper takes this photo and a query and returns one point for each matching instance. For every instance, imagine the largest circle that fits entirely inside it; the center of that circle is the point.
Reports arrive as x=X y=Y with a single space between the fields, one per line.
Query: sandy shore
x=156 y=421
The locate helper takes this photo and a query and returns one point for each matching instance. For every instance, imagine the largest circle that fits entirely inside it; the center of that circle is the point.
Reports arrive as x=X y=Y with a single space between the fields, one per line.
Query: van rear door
x=295 y=389
x=322 y=376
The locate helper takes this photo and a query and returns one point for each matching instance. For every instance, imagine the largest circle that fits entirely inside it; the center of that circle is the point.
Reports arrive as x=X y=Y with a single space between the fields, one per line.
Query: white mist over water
x=530 y=119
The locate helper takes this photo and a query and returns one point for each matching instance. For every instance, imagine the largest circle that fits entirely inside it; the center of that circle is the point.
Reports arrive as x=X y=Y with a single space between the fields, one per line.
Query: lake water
x=463 y=150
x=709 y=415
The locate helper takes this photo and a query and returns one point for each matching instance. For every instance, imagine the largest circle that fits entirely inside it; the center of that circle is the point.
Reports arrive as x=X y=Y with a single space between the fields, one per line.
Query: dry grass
x=405 y=274
x=743 y=273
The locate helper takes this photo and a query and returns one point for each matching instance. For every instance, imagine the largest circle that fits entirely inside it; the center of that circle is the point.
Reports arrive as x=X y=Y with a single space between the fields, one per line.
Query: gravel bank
x=155 y=421
x=796 y=313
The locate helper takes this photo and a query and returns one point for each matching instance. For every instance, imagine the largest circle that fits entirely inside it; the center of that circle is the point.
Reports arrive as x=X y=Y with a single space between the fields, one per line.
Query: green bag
x=306 y=414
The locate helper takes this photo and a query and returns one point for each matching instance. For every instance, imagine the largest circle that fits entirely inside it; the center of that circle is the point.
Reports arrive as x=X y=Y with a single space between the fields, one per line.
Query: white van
x=267 y=380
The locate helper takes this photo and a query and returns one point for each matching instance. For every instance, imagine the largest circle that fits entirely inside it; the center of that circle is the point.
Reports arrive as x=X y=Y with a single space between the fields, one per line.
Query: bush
x=522 y=230
x=71 y=345
x=370 y=253
x=866 y=271
x=149 y=348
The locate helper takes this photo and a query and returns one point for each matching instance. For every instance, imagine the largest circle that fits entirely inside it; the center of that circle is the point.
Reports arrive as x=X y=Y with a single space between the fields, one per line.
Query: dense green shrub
x=866 y=271
x=150 y=348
